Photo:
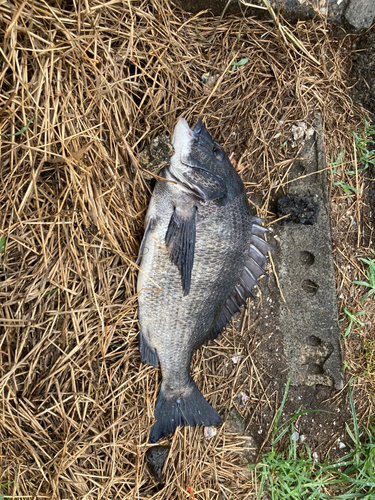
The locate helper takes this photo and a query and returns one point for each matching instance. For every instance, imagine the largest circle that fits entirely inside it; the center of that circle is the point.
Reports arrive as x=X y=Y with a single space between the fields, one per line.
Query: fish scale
x=197 y=249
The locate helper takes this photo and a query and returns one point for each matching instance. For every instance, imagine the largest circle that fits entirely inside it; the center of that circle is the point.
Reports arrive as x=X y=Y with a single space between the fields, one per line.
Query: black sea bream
x=205 y=251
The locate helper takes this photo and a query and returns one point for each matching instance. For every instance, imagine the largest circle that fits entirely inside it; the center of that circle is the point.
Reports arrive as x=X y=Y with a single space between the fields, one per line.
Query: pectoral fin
x=180 y=240
x=207 y=186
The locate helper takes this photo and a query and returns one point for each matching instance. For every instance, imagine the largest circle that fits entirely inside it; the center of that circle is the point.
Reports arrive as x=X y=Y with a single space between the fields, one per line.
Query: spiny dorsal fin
x=252 y=271
x=261 y=244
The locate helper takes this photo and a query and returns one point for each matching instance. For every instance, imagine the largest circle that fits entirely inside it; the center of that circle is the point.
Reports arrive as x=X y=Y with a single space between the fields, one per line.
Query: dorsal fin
x=258 y=230
x=261 y=244
x=251 y=272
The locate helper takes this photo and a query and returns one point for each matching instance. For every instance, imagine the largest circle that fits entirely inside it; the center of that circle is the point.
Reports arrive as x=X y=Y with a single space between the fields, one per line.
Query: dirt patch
x=363 y=70
x=363 y=91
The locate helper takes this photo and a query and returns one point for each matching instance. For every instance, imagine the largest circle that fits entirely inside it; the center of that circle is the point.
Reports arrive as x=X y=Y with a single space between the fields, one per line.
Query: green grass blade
x=355 y=423
x=2 y=242
x=363 y=283
x=20 y=131
x=3 y=246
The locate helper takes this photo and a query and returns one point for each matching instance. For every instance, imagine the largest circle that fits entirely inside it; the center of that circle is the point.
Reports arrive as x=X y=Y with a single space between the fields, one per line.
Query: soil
x=323 y=427
x=363 y=71
x=301 y=209
x=363 y=77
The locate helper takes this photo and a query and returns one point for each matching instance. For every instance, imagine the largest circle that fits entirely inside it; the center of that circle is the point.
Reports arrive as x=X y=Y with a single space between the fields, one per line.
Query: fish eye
x=218 y=153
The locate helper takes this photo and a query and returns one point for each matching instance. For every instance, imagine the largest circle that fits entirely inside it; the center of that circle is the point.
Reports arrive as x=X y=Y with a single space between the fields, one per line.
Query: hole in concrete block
x=307 y=259
x=310 y=287
x=297 y=170
x=315 y=369
x=314 y=341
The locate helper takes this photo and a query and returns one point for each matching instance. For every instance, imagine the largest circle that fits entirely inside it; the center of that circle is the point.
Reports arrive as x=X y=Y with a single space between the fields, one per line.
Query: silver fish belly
x=201 y=255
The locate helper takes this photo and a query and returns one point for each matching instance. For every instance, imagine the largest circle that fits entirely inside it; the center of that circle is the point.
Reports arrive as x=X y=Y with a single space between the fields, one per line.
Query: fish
x=200 y=258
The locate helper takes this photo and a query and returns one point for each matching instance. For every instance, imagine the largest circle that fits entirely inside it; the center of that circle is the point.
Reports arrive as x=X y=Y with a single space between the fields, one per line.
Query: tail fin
x=190 y=409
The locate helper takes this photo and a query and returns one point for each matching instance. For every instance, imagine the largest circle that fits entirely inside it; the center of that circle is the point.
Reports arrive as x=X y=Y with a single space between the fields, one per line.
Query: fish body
x=204 y=251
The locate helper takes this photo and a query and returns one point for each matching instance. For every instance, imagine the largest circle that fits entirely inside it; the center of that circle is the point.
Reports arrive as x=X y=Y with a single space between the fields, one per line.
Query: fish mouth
x=183 y=133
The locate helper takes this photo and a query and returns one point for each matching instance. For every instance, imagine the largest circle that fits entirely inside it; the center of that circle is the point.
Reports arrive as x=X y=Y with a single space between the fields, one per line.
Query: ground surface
x=363 y=70
x=96 y=82
x=322 y=429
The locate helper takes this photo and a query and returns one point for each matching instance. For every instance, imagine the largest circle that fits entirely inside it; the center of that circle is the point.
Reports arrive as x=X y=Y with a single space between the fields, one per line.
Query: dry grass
x=99 y=80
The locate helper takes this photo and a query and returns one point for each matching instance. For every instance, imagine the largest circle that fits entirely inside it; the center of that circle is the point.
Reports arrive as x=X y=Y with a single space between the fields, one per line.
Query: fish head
x=199 y=163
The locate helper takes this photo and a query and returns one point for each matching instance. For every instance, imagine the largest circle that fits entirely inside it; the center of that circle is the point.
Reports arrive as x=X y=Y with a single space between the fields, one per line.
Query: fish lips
x=183 y=133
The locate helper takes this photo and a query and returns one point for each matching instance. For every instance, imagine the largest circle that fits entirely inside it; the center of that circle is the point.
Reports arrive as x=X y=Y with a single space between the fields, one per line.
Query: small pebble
x=237 y=358
x=209 y=432
x=242 y=398
x=294 y=436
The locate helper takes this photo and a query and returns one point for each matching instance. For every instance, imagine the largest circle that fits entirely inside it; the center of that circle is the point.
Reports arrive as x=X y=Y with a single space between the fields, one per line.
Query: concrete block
x=309 y=318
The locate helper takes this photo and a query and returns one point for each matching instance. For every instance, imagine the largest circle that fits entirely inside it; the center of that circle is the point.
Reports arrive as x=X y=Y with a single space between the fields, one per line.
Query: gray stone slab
x=309 y=318
x=358 y=13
